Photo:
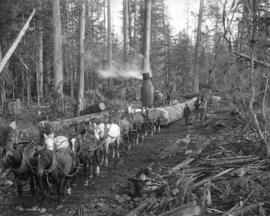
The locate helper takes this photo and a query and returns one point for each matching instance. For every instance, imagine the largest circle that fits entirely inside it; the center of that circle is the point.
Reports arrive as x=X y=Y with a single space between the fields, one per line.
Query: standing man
x=203 y=108
x=197 y=106
x=186 y=114
x=168 y=98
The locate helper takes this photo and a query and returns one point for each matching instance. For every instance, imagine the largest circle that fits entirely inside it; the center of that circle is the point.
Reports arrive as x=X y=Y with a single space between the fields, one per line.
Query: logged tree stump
x=147 y=91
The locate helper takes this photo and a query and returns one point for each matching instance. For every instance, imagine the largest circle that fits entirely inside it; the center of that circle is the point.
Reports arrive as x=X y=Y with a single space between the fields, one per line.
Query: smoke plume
x=119 y=70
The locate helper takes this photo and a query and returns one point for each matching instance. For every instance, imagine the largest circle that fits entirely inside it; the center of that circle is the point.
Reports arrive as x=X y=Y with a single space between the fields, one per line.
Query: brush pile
x=219 y=175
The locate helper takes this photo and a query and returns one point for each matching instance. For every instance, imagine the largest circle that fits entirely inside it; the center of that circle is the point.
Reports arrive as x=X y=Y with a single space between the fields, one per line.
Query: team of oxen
x=54 y=162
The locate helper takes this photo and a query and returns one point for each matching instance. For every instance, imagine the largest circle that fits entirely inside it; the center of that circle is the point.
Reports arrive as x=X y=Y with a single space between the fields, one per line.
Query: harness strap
x=22 y=166
x=74 y=173
x=53 y=164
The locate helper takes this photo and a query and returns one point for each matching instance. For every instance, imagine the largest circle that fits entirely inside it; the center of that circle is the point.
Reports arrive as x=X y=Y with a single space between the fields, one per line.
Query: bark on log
x=170 y=114
x=244 y=210
x=262 y=63
x=231 y=161
x=212 y=178
x=16 y=42
x=187 y=209
x=56 y=125
x=189 y=96
x=141 y=207
x=183 y=164
x=93 y=109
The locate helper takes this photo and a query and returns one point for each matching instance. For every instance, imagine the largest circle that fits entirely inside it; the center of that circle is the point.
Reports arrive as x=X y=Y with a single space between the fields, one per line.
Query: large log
x=62 y=123
x=191 y=209
x=170 y=114
x=93 y=109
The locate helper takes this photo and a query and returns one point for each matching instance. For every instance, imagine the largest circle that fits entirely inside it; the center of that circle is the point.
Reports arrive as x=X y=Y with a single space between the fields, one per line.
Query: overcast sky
x=177 y=12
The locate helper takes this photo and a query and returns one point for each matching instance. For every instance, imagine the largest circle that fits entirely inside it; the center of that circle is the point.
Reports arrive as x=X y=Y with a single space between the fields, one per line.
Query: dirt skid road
x=99 y=197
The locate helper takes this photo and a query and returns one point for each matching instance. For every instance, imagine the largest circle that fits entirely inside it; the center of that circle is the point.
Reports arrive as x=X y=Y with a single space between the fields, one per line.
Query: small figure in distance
x=197 y=106
x=168 y=98
x=203 y=108
x=186 y=114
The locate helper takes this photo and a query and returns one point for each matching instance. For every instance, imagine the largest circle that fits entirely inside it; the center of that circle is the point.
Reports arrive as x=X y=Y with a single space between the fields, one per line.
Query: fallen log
x=140 y=208
x=245 y=56
x=244 y=210
x=189 y=96
x=62 y=123
x=16 y=42
x=187 y=209
x=212 y=177
x=96 y=108
x=231 y=161
x=185 y=163
x=172 y=113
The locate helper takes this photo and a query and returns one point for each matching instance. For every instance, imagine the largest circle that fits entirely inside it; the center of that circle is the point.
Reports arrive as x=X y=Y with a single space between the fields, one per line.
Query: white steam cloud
x=118 y=71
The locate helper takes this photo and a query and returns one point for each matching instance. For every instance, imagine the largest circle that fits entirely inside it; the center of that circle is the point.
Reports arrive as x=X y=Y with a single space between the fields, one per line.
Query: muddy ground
x=99 y=197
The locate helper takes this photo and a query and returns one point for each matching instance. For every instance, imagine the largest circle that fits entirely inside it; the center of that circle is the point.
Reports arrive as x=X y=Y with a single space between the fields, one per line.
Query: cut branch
x=187 y=209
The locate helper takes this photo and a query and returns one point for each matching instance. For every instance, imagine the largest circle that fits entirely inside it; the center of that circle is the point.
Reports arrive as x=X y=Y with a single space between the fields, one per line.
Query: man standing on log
x=186 y=114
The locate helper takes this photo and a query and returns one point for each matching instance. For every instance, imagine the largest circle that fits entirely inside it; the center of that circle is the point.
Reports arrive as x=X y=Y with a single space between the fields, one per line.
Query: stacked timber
x=170 y=114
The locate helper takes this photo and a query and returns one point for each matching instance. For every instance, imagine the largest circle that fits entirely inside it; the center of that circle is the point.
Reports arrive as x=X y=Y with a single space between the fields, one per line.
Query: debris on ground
x=224 y=174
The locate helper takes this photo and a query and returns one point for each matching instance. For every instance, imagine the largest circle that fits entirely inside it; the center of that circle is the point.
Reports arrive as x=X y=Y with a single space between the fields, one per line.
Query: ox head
x=99 y=131
x=9 y=137
x=49 y=140
x=73 y=142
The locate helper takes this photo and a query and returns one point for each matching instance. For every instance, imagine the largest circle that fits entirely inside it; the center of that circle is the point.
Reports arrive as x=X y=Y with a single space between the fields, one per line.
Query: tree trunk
x=252 y=79
x=40 y=57
x=81 y=74
x=142 y=25
x=129 y=20
x=71 y=61
x=197 y=47
x=147 y=86
x=135 y=29
x=57 y=55
x=28 y=86
x=2 y=87
x=125 y=29
x=109 y=36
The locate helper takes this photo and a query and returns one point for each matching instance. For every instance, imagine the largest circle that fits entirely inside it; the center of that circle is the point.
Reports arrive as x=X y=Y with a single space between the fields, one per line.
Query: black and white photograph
x=134 y=107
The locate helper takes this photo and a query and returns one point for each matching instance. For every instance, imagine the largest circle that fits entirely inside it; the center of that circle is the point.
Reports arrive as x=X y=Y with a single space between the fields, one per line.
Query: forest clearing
x=134 y=107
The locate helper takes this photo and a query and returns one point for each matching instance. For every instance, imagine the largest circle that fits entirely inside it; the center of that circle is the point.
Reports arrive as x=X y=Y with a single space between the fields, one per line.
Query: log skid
x=62 y=123
x=93 y=109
